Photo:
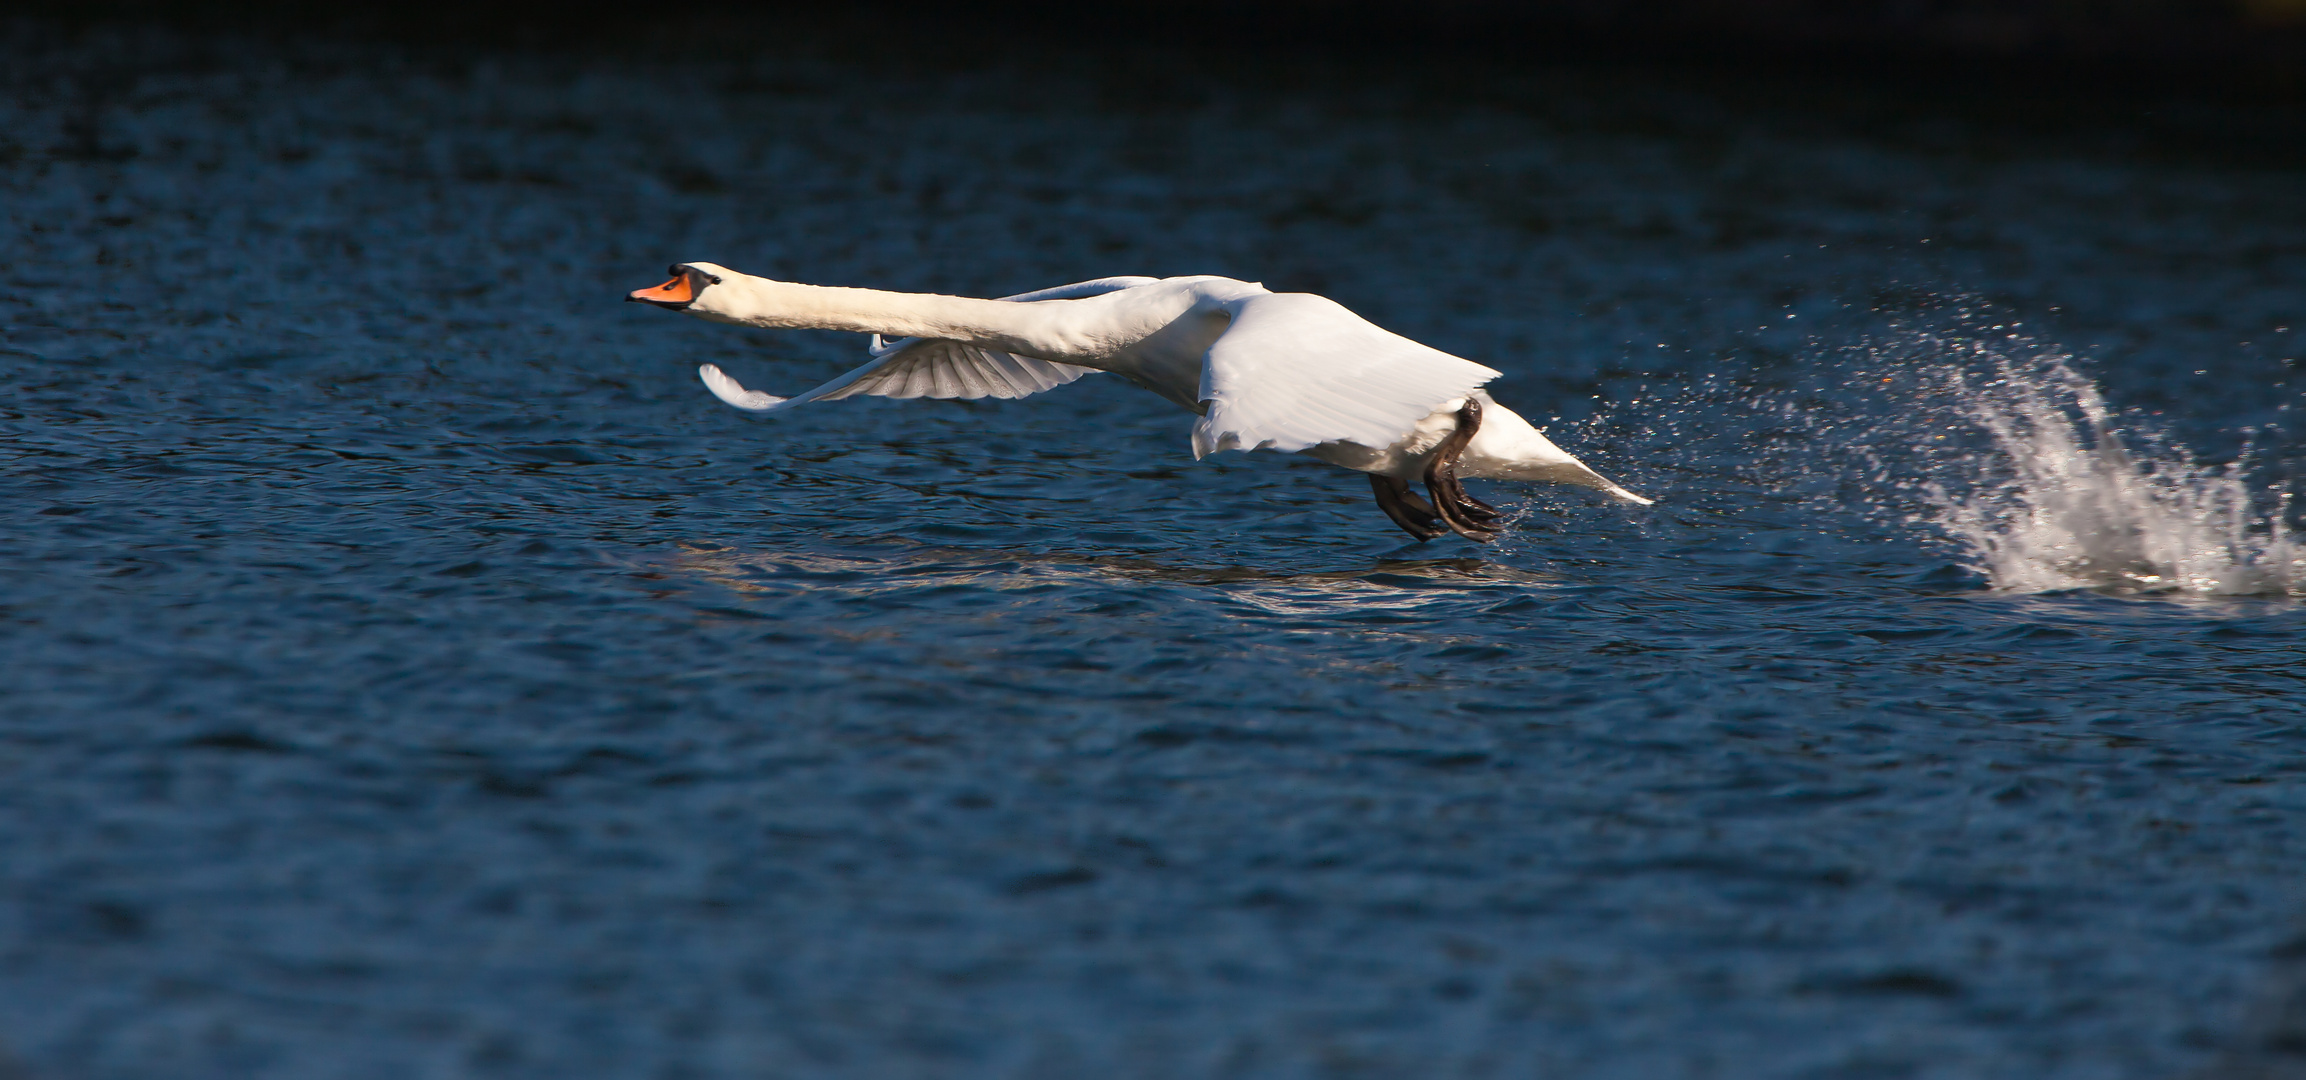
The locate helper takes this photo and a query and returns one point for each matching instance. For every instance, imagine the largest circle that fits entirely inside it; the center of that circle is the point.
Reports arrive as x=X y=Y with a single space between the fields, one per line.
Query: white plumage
x=934 y=367
x=1294 y=370
x=915 y=368
x=1266 y=370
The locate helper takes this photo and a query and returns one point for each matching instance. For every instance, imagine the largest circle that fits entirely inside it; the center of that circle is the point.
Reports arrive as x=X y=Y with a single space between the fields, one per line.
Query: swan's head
x=690 y=280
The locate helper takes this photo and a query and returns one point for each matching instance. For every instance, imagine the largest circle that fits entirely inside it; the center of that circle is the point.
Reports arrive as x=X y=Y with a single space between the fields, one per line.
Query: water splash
x=2019 y=460
x=1985 y=441
x=2062 y=500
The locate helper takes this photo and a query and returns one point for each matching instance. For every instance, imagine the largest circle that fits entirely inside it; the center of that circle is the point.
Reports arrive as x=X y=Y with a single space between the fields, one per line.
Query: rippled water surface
x=410 y=671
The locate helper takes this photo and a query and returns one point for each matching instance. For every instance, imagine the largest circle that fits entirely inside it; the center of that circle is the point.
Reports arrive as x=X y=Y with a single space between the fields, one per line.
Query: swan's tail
x=1620 y=494
x=1585 y=477
x=1574 y=473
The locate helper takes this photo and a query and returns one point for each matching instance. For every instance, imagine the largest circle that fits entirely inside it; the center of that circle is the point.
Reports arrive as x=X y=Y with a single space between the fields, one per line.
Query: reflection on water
x=1398 y=587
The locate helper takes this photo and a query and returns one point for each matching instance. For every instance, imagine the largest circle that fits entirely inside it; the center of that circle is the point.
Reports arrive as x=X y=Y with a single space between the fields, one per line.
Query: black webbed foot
x=1407 y=508
x=1465 y=515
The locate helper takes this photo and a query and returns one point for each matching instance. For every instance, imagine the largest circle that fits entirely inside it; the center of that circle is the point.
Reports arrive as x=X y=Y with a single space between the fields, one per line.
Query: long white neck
x=1048 y=329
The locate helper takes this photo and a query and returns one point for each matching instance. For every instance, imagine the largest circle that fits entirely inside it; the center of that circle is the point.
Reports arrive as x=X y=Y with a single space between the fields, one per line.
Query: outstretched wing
x=933 y=368
x=1296 y=370
x=918 y=368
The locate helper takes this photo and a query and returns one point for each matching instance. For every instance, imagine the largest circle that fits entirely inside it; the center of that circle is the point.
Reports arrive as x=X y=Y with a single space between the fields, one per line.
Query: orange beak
x=675 y=293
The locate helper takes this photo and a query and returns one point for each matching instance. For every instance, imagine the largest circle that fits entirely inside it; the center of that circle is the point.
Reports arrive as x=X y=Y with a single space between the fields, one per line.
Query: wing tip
x=733 y=392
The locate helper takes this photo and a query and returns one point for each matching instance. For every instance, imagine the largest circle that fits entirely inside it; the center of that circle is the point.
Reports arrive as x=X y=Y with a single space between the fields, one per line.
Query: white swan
x=1266 y=370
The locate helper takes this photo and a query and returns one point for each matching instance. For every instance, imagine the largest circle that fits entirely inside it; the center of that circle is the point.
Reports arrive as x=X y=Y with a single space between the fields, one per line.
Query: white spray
x=2060 y=498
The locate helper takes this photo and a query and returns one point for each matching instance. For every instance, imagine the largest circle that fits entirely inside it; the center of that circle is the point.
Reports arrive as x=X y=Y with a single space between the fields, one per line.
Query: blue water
x=406 y=669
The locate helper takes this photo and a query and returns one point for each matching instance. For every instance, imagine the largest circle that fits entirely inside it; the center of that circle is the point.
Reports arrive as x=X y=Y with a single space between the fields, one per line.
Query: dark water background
x=406 y=669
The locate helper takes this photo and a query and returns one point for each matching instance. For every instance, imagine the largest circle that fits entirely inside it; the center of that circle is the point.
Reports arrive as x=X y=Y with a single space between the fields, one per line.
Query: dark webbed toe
x=1405 y=507
x=1464 y=514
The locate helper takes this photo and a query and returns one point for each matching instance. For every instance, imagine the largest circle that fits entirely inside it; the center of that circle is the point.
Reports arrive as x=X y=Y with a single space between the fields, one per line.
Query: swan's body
x=1265 y=370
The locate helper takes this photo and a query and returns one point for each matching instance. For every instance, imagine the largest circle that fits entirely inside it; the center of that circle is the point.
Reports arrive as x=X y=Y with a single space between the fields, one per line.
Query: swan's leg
x=1405 y=507
x=1417 y=502
x=1464 y=514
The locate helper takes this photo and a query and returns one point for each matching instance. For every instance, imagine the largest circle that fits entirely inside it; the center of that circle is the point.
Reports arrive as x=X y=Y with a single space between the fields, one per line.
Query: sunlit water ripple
x=410 y=671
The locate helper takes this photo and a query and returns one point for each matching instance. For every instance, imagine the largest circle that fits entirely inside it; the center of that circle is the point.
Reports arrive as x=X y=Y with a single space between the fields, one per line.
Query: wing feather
x=1295 y=370
x=933 y=368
